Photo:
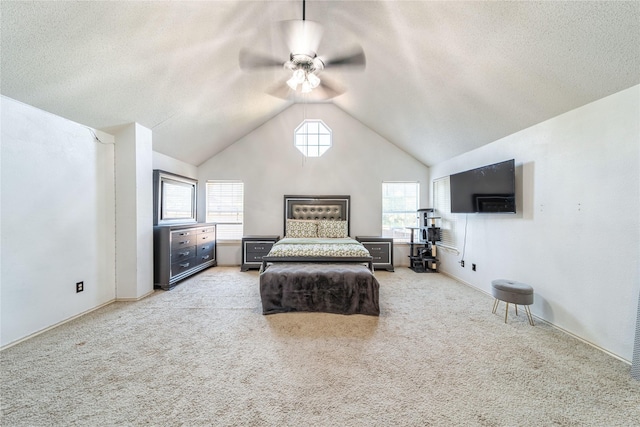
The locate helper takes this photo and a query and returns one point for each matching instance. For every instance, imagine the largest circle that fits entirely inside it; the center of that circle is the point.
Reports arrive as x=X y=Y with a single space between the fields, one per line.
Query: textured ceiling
x=441 y=78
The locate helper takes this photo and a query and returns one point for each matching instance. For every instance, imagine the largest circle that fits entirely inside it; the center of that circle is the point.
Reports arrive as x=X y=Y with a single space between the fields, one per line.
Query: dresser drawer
x=182 y=266
x=206 y=230
x=255 y=256
x=182 y=242
x=179 y=234
x=259 y=247
x=206 y=252
x=183 y=254
x=205 y=237
x=206 y=247
x=204 y=257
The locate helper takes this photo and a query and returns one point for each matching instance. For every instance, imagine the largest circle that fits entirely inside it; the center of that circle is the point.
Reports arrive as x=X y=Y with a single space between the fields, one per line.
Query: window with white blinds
x=442 y=204
x=225 y=207
x=400 y=202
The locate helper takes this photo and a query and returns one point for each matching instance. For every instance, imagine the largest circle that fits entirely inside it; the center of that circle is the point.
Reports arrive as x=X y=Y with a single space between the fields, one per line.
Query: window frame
x=441 y=192
x=303 y=132
x=226 y=230
x=405 y=236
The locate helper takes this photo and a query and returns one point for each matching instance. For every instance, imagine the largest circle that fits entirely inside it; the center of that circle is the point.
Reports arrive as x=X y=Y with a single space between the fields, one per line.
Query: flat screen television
x=487 y=189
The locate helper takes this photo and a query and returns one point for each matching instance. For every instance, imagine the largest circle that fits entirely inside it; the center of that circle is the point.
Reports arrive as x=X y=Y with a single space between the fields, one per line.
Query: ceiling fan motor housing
x=302 y=61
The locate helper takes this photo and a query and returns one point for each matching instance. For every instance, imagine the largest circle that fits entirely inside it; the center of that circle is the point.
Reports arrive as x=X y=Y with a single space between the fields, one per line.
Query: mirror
x=174 y=198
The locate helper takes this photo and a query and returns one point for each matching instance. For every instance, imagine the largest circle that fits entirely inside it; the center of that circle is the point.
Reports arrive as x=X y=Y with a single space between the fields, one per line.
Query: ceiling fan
x=303 y=65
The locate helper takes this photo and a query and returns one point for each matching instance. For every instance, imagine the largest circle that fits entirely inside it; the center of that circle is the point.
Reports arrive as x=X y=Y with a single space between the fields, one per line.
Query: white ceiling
x=441 y=78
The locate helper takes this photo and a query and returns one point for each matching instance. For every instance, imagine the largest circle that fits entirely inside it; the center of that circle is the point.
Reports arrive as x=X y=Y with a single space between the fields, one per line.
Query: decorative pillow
x=332 y=229
x=302 y=228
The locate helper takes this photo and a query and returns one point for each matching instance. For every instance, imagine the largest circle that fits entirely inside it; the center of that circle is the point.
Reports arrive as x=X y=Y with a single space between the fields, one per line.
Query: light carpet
x=202 y=354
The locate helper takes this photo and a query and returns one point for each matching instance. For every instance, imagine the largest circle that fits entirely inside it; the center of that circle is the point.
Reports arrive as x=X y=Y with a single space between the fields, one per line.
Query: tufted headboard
x=334 y=208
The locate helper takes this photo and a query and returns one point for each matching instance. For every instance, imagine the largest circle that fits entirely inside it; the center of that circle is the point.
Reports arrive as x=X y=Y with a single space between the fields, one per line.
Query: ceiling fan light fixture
x=313 y=80
x=306 y=87
x=298 y=77
x=292 y=83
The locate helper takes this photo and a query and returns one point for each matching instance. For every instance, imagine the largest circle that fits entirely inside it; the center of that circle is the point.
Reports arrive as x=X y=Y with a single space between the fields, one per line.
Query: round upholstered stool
x=512 y=292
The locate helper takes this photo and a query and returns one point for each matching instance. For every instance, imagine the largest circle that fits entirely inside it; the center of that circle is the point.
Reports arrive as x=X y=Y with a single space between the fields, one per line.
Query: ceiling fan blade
x=302 y=36
x=326 y=90
x=355 y=58
x=281 y=90
x=251 y=60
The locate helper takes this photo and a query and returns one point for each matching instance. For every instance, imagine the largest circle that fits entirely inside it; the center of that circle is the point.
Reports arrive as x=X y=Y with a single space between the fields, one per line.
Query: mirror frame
x=160 y=179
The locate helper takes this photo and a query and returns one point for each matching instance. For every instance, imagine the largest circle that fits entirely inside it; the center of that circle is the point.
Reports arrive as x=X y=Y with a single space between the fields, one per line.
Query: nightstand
x=254 y=248
x=381 y=249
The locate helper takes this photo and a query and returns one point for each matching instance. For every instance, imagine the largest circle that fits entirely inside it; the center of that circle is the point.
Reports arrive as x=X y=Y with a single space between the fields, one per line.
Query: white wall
x=169 y=164
x=270 y=167
x=576 y=236
x=57 y=219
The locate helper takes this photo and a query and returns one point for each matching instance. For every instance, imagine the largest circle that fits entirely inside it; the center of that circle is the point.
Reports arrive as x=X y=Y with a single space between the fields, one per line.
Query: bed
x=317 y=266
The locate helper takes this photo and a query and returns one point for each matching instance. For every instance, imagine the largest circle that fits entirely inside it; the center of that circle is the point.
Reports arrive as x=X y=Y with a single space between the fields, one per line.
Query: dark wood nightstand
x=254 y=248
x=381 y=249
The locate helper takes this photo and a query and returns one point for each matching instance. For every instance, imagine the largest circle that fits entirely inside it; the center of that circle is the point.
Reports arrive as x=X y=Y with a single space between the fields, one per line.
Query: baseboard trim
x=48 y=328
x=540 y=319
x=136 y=298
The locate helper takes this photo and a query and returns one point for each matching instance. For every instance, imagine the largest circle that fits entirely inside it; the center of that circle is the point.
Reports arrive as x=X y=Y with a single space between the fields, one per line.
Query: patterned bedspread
x=317 y=247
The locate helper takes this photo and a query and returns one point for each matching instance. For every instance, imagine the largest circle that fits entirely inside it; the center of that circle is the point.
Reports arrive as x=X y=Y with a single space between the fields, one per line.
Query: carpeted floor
x=202 y=354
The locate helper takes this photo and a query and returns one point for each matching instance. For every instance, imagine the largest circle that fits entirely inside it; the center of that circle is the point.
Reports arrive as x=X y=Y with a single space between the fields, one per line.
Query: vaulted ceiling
x=441 y=78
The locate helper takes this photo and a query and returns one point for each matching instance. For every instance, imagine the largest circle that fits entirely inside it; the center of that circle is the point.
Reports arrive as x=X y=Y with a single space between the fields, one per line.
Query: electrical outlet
x=79 y=287
x=462 y=263
x=473 y=267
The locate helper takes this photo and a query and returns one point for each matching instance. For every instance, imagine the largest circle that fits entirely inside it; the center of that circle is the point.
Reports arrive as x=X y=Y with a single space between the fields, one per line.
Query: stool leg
x=516 y=309
x=526 y=308
x=506 y=313
x=495 y=305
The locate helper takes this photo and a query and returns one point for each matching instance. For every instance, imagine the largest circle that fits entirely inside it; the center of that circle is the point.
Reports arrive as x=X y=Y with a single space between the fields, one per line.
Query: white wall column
x=134 y=212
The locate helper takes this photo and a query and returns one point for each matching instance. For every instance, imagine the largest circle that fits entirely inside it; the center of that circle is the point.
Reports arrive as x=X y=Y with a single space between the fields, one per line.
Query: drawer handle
x=184 y=253
x=184 y=242
x=184 y=265
x=205 y=257
x=259 y=247
x=205 y=237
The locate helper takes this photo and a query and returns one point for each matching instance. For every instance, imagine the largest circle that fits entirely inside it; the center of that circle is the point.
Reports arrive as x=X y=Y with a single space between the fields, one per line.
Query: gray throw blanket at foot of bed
x=329 y=288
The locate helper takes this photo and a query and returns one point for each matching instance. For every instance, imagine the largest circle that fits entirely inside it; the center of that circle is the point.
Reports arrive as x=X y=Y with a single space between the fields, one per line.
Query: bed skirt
x=329 y=288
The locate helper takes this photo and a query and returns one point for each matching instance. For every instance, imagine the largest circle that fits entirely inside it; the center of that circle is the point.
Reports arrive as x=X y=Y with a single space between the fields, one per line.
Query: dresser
x=180 y=251
x=381 y=249
x=254 y=248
